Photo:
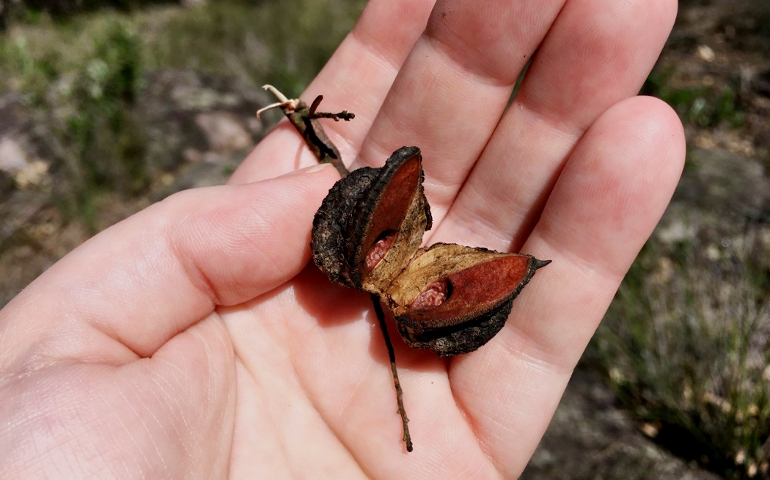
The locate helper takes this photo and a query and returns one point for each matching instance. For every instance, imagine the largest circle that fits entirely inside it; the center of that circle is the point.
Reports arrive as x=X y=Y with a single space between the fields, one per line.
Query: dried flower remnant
x=305 y=120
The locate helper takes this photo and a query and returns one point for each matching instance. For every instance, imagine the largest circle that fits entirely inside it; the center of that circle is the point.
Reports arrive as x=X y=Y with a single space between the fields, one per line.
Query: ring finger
x=454 y=86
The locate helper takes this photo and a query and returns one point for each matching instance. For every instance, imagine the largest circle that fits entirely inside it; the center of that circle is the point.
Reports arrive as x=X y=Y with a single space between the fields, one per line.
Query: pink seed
x=378 y=250
x=433 y=296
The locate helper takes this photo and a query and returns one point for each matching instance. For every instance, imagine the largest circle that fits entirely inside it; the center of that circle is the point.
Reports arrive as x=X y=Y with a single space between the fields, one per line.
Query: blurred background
x=109 y=105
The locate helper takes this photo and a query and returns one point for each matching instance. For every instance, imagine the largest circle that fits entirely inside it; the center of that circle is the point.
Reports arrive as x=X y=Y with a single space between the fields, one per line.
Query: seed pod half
x=448 y=298
x=371 y=223
x=453 y=299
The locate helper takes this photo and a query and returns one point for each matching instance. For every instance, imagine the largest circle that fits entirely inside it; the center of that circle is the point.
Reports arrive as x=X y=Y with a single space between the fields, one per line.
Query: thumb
x=155 y=274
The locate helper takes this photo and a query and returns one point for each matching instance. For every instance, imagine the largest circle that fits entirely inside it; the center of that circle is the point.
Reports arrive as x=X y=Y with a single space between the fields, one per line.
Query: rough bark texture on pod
x=354 y=208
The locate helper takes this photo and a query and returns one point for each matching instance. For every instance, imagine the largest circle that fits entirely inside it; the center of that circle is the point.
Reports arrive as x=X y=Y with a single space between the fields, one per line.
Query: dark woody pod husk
x=447 y=298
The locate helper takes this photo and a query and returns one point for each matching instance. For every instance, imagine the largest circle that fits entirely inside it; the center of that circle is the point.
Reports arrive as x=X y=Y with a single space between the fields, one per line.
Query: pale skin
x=192 y=340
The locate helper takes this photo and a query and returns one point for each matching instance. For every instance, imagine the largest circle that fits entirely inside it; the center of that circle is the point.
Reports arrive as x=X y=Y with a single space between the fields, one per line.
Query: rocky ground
x=591 y=436
x=723 y=198
x=203 y=125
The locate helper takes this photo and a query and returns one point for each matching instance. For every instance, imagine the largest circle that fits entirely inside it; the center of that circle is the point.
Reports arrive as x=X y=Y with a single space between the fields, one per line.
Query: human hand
x=191 y=341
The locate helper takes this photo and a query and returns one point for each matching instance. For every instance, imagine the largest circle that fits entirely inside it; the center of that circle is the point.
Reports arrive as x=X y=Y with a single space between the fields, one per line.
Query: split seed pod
x=447 y=298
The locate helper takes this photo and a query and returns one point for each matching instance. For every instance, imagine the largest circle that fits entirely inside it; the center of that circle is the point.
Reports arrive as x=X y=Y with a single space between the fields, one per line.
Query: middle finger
x=454 y=87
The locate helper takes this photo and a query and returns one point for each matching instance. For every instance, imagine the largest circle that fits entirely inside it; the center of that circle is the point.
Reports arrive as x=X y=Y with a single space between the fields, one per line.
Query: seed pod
x=447 y=298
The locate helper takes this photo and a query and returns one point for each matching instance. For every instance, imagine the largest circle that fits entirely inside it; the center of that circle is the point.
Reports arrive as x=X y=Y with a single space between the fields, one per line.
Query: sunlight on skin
x=192 y=341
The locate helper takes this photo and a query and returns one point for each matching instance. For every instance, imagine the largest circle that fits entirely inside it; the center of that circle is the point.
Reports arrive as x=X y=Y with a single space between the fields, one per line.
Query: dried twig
x=392 y=356
x=305 y=120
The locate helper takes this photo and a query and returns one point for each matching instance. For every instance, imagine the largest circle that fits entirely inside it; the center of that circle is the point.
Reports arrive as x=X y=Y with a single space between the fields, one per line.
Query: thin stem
x=268 y=107
x=314 y=105
x=280 y=96
x=343 y=115
x=392 y=354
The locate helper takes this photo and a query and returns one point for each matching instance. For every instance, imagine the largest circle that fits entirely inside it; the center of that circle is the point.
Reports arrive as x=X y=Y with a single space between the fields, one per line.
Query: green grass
x=285 y=43
x=703 y=106
x=96 y=134
x=686 y=344
x=84 y=75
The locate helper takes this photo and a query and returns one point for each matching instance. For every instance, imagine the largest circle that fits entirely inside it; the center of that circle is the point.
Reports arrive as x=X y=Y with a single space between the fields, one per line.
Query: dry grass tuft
x=686 y=345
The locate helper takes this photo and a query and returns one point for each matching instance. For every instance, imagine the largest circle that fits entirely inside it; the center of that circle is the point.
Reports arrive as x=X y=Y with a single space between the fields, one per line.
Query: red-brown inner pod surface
x=390 y=211
x=475 y=289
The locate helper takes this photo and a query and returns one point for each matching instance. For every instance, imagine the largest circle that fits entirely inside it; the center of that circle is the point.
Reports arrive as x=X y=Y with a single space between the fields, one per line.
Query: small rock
x=706 y=53
x=17 y=164
x=12 y=156
x=705 y=142
x=34 y=174
x=192 y=155
x=650 y=429
x=675 y=229
x=224 y=132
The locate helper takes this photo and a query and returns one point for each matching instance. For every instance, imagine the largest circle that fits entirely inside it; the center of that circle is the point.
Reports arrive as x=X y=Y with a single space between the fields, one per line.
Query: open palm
x=193 y=340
